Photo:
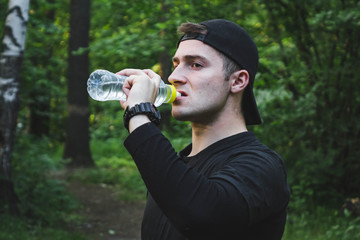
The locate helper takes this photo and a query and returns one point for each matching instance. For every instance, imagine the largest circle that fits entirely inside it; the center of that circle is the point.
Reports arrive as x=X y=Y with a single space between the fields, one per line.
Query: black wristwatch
x=146 y=108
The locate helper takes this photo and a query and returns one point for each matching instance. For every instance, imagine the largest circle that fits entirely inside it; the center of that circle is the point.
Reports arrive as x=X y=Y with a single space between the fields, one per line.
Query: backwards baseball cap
x=234 y=42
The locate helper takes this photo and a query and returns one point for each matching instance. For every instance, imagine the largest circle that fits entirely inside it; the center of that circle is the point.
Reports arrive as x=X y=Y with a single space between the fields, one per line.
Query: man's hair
x=229 y=66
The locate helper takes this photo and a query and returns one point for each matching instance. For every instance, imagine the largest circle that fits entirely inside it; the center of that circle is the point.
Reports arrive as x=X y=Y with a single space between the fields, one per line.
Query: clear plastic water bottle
x=103 y=85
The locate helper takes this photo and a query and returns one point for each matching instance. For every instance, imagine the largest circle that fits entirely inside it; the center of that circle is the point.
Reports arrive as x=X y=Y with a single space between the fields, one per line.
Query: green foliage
x=45 y=206
x=43 y=198
x=106 y=120
x=308 y=96
x=43 y=88
x=322 y=224
x=19 y=229
x=134 y=33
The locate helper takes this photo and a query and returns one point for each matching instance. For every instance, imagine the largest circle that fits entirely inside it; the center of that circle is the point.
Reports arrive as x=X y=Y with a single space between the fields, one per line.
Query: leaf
x=80 y=51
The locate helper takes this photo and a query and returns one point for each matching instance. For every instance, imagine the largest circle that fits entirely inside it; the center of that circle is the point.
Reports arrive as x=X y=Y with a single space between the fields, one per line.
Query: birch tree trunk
x=13 y=46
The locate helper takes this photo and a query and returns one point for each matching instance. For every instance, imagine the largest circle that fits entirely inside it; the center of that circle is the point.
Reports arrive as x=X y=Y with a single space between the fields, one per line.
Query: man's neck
x=203 y=135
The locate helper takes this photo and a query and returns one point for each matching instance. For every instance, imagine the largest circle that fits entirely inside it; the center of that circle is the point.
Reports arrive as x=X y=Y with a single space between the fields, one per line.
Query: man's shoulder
x=253 y=148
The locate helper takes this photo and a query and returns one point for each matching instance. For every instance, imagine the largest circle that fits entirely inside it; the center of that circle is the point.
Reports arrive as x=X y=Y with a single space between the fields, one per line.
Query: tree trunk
x=13 y=46
x=77 y=147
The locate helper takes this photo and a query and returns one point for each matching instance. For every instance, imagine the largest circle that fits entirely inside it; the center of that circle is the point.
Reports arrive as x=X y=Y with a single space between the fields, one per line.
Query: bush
x=43 y=198
x=322 y=224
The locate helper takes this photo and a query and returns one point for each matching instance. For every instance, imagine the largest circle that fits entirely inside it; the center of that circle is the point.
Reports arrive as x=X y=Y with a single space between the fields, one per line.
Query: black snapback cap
x=233 y=41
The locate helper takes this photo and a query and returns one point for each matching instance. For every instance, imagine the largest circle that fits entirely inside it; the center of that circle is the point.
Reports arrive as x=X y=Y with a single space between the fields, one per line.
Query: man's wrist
x=137 y=121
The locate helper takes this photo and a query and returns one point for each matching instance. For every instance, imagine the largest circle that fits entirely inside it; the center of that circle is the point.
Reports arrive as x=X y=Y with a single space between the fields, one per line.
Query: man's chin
x=180 y=116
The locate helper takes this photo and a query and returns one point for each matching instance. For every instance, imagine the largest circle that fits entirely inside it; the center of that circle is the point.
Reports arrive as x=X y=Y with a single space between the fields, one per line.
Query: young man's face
x=199 y=77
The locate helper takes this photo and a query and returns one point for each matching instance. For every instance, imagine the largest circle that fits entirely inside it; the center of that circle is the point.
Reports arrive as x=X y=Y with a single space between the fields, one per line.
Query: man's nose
x=177 y=76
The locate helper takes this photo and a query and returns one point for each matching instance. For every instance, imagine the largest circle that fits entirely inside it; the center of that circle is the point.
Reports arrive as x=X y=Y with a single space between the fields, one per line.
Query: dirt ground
x=105 y=217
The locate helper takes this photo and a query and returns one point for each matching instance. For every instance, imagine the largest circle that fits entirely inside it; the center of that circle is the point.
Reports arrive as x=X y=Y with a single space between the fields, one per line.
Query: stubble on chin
x=180 y=115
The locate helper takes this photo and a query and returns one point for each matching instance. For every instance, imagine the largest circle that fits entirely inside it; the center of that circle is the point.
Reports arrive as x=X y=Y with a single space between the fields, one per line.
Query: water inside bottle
x=103 y=87
x=162 y=96
x=112 y=91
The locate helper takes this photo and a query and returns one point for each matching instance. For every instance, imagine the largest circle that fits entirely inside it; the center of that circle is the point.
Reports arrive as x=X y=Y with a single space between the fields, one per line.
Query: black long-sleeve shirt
x=234 y=189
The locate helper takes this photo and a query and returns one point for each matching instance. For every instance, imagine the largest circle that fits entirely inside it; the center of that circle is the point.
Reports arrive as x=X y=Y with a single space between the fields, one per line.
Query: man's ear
x=239 y=80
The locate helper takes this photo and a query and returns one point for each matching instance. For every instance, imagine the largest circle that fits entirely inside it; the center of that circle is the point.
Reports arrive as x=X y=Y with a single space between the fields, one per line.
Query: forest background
x=307 y=90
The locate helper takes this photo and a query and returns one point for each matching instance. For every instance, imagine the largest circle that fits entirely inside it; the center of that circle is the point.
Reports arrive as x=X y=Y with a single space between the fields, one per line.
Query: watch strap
x=146 y=108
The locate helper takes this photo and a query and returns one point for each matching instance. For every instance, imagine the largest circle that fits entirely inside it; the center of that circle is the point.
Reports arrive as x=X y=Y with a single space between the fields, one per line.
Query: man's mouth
x=182 y=93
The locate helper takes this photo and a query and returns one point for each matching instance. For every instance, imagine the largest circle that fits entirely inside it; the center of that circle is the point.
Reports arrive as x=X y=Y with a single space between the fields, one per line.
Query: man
x=225 y=184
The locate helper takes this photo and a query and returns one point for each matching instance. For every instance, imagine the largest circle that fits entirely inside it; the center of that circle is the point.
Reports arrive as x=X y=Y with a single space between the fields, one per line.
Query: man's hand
x=140 y=86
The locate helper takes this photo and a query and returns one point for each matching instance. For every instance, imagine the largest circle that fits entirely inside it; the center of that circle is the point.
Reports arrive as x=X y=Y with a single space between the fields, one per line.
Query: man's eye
x=196 y=65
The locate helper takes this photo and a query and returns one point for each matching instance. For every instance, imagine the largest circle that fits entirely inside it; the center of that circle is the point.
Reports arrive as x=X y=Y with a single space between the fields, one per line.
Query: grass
x=125 y=180
x=22 y=229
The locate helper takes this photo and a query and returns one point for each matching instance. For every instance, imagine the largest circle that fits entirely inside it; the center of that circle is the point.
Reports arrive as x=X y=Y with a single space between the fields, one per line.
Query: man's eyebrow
x=189 y=58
